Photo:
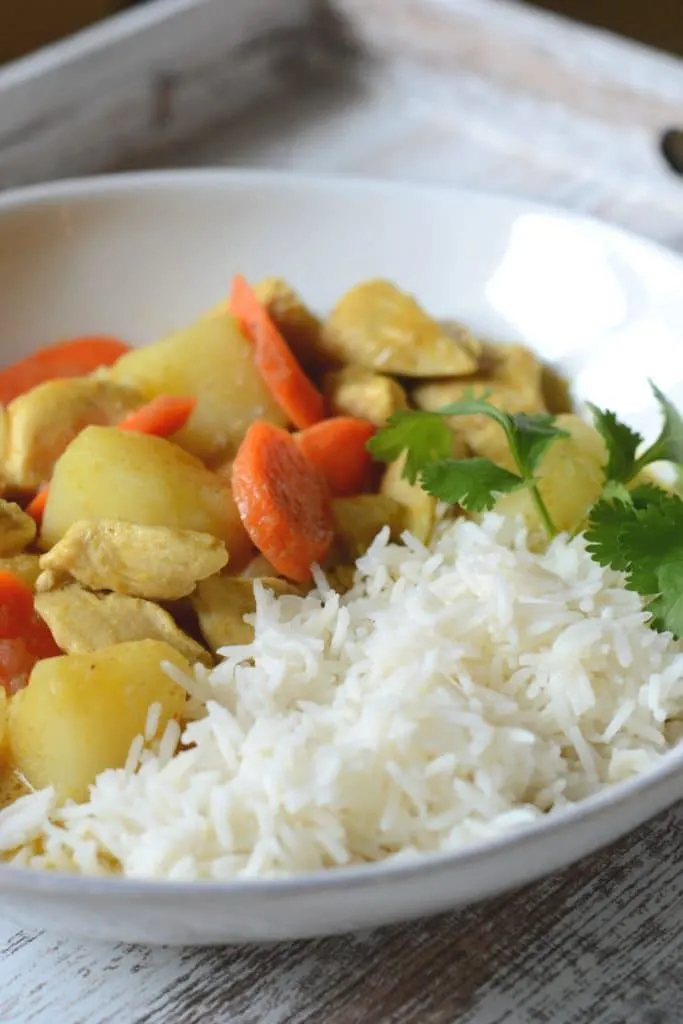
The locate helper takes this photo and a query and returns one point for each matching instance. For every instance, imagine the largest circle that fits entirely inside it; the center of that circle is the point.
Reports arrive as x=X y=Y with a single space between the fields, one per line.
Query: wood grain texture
x=492 y=95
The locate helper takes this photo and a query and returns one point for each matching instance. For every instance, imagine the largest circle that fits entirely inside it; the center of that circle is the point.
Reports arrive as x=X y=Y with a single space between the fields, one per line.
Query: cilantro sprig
x=475 y=483
x=634 y=528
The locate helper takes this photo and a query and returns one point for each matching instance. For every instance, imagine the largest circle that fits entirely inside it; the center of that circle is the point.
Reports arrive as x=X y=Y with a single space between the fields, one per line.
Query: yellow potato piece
x=155 y=562
x=80 y=713
x=358 y=520
x=378 y=326
x=17 y=530
x=112 y=474
x=212 y=361
x=42 y=422
x=419 y=507
x=81 y=621
x=300 y=328
x=25 y=566
x=221 y=603
x=571 y=477
x=355 y=391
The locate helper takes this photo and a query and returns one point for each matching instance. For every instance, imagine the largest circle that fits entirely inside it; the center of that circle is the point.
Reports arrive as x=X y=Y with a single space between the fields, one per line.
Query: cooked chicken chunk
x=81 y=621
x=355 y=391
x=378 y=326
x=221 y=603
x=511 y=378
x=42 y=423
x=155 y=562
x=17 y=530
x=298 y=325
x=25 y=566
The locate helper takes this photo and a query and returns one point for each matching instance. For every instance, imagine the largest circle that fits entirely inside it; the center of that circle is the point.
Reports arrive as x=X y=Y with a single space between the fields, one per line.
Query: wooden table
x=481 y=93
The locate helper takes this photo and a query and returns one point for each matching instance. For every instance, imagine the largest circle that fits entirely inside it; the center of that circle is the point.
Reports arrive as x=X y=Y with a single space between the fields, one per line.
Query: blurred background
x=30 y=24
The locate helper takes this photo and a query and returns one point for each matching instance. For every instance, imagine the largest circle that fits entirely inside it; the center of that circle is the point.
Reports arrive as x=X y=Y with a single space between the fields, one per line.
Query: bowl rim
x=358 y=876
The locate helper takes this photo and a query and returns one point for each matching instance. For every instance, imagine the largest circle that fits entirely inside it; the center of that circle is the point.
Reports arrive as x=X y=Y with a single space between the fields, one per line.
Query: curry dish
x=144 y=490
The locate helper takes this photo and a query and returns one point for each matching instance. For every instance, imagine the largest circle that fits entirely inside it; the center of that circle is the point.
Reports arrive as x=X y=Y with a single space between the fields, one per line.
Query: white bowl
x=138 y=255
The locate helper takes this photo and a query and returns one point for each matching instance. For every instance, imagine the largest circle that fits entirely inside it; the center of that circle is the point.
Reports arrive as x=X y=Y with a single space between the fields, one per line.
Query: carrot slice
x=16 y=604
x=65 y=359
x=24 y=637
x=296 y=395
x=36 y=506
x=163 y=416
x=283 y=501
x=337 y=447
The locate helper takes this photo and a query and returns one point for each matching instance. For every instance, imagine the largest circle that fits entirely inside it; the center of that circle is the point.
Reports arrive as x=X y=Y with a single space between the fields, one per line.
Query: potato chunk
x=378 y=326
x=358 y=520
x=42 y=422
x=571 y=477
x=81 y=622
x=25 y=566
x=155 y=562
x=355 y=391
x=419 y=508
x=17 y=530
x=80 y=713
x=300 y=328
x=110 y=474
x=222 y=602
x=213 y=361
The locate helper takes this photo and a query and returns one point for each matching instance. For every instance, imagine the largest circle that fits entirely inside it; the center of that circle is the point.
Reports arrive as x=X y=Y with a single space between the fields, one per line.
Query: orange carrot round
x=24 y=637
x=163 y=416
x=337 y=447
x=296 y=395
x=36 y=506
x=75 y=358
x=283 y=501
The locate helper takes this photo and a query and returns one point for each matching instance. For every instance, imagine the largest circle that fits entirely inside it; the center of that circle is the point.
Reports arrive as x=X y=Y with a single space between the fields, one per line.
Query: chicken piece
x=42 y=422
x=221 y=603
x=81 y=621
x=25 y=566
x=378 y=326
x=511 y=378
x=300 y=328
x=17 y=530
x=156 y=562
x=358 y=520
x=355 y=391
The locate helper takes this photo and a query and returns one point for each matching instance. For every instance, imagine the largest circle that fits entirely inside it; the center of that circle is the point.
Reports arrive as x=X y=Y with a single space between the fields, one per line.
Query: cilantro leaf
x=668 y=447
x=622 y=444
x=423 y=436
x=667 y=607
x=531 y=436
x=603 y=533
x=646 y=543
x=614 y=491
x=472 y=483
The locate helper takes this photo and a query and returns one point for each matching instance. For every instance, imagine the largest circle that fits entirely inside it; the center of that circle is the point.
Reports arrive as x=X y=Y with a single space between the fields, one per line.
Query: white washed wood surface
x=487 y=94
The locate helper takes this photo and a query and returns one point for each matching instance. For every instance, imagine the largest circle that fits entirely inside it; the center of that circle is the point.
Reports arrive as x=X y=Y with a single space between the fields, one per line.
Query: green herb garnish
x=634 y=528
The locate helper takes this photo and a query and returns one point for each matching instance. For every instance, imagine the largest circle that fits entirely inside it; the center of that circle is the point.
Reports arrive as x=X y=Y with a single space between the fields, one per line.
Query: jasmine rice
x=453 y=694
